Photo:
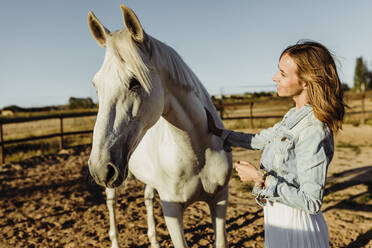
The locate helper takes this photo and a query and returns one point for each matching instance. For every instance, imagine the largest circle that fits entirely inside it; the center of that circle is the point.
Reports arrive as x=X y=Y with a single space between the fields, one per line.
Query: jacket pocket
x=284 y=147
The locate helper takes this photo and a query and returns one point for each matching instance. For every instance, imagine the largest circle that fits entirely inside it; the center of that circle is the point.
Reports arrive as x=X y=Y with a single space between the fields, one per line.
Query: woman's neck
x=301 y=100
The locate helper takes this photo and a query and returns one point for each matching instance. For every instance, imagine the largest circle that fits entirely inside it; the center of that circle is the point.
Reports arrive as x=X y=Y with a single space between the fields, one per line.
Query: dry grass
x=45 y=127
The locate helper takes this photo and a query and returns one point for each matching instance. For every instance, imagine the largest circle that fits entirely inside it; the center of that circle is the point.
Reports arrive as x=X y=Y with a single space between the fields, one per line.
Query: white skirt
x=290 y=227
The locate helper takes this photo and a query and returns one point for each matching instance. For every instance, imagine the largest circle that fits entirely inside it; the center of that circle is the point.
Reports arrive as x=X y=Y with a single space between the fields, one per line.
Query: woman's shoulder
x=311 y=126
x=313 y=135
x=314 y=122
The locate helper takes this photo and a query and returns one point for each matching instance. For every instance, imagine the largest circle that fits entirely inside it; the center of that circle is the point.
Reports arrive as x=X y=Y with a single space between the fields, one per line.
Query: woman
x=297 y=150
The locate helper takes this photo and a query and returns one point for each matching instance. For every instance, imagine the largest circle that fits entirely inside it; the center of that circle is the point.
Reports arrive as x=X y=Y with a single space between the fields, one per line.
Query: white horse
x=151 y=120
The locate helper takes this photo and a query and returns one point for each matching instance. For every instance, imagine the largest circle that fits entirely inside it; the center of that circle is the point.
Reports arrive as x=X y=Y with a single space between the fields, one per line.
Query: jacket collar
x=293 y=117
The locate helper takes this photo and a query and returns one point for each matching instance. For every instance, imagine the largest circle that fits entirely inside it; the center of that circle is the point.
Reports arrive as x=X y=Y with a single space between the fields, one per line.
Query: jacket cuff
x=226 y=144
x=270 y=190
x=267 y=194
x=256 y=191
x=225 y=133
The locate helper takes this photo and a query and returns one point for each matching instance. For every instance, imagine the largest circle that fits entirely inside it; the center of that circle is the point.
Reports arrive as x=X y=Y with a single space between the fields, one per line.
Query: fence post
x=221 y=108
x=2 y=144
x=363 y=121
x=251 y=113
x=61 y=145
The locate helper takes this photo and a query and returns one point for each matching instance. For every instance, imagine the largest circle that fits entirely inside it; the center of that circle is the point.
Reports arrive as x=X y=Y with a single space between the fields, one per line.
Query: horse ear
x=132 y=23
x=98 y=31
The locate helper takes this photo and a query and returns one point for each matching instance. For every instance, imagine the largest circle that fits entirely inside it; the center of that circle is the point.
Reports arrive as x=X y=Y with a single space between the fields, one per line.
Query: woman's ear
x=304 y=86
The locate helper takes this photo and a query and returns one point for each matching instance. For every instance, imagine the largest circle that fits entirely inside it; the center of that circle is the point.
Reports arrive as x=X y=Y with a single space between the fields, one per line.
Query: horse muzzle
x=108 y=175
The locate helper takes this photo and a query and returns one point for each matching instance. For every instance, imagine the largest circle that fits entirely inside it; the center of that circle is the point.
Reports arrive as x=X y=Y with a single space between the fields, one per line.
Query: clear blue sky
x=48 y=55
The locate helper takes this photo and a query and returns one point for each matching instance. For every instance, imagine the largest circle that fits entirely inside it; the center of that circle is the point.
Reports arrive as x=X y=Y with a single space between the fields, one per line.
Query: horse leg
x=111 y=202
x=218 y=209
x=151 y=230
x=173 y=215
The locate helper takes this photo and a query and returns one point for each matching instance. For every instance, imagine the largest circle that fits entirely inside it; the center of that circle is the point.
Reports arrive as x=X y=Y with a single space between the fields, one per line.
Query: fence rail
x=45 y=117
x=62 y=133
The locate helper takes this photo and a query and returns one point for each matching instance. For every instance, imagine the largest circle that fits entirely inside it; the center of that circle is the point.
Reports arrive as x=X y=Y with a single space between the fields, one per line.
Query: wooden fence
x=61 y=134
x=221 y=109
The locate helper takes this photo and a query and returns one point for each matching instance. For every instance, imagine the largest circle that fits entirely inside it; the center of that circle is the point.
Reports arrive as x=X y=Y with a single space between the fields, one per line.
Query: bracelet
x=264 y=173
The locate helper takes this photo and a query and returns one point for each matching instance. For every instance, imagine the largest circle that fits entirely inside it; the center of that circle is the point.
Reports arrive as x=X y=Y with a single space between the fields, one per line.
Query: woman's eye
x=134 y=84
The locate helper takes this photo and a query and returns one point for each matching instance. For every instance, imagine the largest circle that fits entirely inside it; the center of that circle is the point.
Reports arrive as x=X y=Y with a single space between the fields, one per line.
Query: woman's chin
x=281 y=94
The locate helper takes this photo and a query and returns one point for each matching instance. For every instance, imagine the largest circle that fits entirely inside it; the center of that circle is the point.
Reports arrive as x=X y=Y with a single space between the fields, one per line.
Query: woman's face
x=286 y=78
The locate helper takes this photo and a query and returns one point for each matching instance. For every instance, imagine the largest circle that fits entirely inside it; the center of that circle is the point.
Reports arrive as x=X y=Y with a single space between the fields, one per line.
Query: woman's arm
x=248 y=140
x=314 y=152
x=245 y=140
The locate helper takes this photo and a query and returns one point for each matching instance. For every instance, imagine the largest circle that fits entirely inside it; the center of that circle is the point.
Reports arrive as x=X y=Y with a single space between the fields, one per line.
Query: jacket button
x=284 y=138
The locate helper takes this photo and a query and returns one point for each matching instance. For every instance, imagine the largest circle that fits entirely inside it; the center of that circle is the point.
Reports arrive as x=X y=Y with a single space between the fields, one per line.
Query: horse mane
x=163 y=56
x=179 y=72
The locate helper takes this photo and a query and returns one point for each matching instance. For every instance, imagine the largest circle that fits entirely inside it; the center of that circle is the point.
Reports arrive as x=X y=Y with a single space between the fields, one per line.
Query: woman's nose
x=275 y=78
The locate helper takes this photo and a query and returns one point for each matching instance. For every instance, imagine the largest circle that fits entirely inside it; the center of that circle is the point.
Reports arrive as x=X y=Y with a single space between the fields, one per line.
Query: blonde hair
x=317 y=69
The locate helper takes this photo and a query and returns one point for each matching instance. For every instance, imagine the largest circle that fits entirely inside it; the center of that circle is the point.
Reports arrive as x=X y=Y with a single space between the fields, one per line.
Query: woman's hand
x=247 y=172
x=212 y=128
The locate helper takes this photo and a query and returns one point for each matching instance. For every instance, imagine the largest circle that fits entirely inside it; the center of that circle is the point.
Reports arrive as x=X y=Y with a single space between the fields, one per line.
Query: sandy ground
x=49 y=201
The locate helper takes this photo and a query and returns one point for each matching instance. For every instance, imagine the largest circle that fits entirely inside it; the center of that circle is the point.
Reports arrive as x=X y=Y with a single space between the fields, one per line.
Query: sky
x=47 y=53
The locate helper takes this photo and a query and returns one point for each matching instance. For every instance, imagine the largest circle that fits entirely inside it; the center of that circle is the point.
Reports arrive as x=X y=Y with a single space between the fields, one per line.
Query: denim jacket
x=296 y=155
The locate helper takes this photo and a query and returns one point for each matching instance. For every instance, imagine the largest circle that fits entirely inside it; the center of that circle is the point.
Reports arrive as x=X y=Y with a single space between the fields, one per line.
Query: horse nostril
x=112 y=173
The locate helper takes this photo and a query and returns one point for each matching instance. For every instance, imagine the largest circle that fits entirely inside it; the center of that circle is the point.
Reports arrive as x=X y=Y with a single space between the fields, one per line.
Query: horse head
x=130 y=97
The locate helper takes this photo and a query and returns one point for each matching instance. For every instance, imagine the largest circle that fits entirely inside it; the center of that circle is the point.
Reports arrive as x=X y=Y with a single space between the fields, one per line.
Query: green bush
x=81 y=103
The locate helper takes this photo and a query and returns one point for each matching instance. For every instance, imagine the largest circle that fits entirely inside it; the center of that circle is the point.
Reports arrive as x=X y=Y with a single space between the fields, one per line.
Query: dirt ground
x=50 y=201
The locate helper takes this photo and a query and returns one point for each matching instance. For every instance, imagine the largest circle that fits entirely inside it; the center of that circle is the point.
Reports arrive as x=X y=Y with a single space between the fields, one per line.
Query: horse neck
x=185 y=96
x=184 y=110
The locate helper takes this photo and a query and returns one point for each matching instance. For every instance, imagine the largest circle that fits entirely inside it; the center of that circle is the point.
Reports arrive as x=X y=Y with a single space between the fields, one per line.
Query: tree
x=360 y=75
x=81 y=103
x=345 y=86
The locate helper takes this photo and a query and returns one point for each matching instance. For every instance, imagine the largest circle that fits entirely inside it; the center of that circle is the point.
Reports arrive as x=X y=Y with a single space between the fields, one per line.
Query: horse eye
x=134 y=84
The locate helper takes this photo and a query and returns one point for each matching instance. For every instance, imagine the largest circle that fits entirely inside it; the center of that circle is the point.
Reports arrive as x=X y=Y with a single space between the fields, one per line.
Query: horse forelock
x=127 y=54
